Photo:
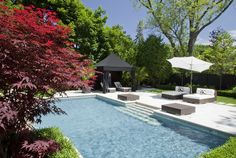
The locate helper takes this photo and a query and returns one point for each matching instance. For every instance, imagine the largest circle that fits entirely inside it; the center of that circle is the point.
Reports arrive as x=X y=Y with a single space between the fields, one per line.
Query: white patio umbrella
x=190 y=63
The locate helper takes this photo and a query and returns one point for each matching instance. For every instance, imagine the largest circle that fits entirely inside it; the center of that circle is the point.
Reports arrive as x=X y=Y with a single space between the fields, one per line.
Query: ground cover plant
x=66 y=146
x=228 y=150
x=35 y=58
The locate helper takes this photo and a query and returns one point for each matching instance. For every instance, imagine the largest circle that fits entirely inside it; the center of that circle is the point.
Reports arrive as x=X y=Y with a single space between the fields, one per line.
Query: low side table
x=177 y=108
x=128 y=97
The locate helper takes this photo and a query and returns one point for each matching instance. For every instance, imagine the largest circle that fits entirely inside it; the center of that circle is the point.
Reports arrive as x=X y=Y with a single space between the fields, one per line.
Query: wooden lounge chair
x=177 y=94
x=109 y=89
x=202 y=96
x=119 y=87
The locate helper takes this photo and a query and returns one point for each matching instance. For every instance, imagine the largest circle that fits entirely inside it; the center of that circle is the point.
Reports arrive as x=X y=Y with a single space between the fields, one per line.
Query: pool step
x=140 y=110
x=140 y=115
x=135 y=110
x=141 y=107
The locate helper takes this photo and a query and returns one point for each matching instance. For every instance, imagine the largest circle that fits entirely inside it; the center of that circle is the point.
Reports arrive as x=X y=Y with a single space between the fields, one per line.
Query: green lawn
x=157 y=90
x=227 y=100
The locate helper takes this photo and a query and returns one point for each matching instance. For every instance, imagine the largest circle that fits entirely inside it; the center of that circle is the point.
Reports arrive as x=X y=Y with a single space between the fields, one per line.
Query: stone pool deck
x=211 y=115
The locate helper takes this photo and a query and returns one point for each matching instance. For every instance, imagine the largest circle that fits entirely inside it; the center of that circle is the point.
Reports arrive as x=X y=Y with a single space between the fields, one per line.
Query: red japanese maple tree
x=35 y=59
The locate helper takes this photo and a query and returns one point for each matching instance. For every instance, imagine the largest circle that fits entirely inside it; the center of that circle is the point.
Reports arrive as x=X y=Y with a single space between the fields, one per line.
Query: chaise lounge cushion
x=120 y=88
x=109 y=89
x=198 y=96
x=125 y=88
x=202 y=96
x=177 y=94
x=174 y=93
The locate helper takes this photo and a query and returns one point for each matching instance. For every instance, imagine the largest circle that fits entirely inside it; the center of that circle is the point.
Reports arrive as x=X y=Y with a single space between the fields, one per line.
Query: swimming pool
x=100 y=129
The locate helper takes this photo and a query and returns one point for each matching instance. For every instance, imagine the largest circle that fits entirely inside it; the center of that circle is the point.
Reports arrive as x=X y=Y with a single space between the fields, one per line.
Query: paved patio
x=212 y=115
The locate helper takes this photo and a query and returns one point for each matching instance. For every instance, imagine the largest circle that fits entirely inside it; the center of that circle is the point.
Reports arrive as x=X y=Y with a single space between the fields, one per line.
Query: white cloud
x=233 y=33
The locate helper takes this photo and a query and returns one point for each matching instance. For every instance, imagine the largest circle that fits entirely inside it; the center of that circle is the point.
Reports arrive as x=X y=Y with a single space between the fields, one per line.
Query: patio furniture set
x=201 y=96
x=118 y=87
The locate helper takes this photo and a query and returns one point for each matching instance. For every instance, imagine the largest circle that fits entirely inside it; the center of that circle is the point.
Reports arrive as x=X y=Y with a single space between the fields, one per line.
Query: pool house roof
x=113 y=63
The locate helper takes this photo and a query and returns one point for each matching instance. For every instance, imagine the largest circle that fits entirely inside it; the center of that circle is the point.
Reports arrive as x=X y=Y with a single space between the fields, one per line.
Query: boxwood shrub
x=226 y=93
x=67 y=149
x=228 y=150
x=166 y=87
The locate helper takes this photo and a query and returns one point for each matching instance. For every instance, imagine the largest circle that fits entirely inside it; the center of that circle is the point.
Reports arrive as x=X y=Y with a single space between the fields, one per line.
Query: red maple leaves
x=35 y=59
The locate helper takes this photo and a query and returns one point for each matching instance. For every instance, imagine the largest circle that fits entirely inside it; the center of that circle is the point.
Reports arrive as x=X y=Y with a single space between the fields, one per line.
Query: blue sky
x=124 y=13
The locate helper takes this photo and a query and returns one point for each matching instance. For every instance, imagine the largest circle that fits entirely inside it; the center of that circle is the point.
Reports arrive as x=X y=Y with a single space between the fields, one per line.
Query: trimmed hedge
x=228 y=150
x=166 y=87
x=226 y=93
x=67 y=148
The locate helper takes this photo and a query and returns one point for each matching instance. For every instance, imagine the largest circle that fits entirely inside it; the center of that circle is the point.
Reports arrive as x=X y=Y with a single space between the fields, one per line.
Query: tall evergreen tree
x=139 y=38
x=153 y=58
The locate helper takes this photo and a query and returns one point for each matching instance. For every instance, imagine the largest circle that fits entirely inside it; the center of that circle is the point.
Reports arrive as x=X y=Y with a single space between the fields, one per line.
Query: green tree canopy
x=139 y=37
x=119 y=43
x=222 y=53
x=182 y=21
x=152 y=56
x=89 y=31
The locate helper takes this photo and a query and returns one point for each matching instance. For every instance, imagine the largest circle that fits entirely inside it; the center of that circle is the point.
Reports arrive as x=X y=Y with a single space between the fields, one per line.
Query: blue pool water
x=99 y=130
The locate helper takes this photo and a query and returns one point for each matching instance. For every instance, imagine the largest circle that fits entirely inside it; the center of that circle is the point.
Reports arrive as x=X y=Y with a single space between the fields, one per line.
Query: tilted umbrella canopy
x=190 y=63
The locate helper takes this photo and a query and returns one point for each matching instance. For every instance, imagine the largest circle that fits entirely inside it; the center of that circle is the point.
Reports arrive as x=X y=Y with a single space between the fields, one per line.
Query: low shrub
x=156 y=90
x=234 y=90
x=226 y=93
x=166 y=87
x=67 y=149
x=228 y=150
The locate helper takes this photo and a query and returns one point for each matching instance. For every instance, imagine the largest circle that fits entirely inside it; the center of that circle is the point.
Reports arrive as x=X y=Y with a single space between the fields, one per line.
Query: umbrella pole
x=191 y=82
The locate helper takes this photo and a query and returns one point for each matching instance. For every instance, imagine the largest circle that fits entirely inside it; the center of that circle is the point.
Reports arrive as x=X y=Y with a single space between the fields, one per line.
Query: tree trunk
x=3 y=151
x=191 y=42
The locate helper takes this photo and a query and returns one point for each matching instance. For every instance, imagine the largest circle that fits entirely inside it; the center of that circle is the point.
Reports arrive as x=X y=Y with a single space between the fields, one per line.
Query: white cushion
x=174 y=93
x=205 y=91
x=182 y=89
x=198 y=96
x=111 y=88
x=125 y=87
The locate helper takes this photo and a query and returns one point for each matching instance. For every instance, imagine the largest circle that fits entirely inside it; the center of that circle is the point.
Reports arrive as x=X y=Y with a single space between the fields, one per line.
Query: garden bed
x=67 y=149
